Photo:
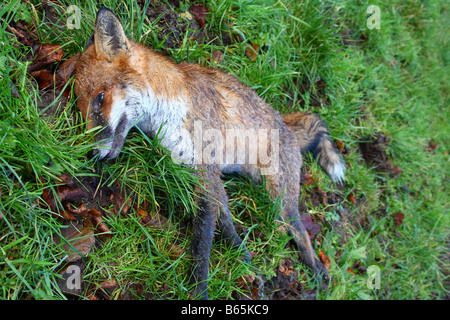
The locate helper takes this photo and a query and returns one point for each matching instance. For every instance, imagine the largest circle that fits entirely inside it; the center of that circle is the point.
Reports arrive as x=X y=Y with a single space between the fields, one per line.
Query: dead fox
x=209 y=121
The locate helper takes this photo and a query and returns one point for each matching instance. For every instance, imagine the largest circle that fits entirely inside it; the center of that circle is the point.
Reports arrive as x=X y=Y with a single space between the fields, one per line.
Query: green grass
x=395 y=82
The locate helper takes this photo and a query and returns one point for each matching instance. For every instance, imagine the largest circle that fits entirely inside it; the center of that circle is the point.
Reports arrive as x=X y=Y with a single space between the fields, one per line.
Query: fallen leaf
x=108 y=284
x=52 y=205
x=398 y=218
x=66 y=178
x=249 y=288
x=339 y=145
x=252 y=52
x=121 y=205
x=323 y=196
x=46 y=54
x=68 y=195
x=93 y=219
x=81 y=240
x=21 y=35
x=64 y=193
x=66 y=68
x=43 y=77
x=101 y=229
x=431 y=145
x=199 y=12
x=92 y=296
x=306 y=179
x=81 y=211
x=286 y=267
x=150 y=218
x=352 y=198
x=175 y=252
x=396 y=170
x=357 y=268
x=325 y=260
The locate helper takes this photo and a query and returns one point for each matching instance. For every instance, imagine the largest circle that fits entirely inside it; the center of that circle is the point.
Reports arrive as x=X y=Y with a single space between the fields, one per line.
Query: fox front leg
x=208 y=196
x=212 y=201
x=203 y=230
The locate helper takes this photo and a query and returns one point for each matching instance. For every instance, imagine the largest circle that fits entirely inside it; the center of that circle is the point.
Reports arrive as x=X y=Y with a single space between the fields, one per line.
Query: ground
x=125 y=225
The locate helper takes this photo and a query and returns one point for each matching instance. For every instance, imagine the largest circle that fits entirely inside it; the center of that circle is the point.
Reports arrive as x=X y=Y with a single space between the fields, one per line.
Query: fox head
x=105 y=85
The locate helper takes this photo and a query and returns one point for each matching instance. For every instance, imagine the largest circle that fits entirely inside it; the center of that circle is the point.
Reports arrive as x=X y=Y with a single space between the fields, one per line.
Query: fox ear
x=109 y=37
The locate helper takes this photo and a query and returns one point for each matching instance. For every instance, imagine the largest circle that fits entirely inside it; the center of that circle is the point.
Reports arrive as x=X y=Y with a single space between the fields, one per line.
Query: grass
x=393 y=80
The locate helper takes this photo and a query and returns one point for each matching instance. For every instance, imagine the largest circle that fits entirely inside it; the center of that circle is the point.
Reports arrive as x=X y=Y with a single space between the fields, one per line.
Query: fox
x=208 y=120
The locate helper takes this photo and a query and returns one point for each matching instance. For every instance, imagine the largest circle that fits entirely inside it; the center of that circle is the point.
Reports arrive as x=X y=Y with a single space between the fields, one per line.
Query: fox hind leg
x=227 y=230
x=286 y=184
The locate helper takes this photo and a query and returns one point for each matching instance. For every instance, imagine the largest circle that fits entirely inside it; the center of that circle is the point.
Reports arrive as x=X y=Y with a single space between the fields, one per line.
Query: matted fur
x=121 y=84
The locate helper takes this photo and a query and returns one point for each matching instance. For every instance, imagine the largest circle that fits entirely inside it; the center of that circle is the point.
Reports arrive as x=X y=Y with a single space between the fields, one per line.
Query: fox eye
x=98 y=100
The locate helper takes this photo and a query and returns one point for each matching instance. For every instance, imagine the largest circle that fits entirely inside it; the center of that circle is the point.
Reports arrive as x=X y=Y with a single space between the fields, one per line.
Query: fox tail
x=312 y=135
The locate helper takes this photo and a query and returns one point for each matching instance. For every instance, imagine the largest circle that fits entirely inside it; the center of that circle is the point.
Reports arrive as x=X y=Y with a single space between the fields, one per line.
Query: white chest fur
x=165 y=117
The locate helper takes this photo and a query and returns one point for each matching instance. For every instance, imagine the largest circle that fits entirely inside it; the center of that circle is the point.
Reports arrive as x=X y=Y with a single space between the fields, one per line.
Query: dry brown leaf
x=339 y=145
x=325 y=260
x=45 y=55
x=286 y=267
x=149 y=218
x=66 y=69
x=352 y=198
x=306 y=179
x=97 y=222
x=79 y=211
x=108 y=284
x=252 y=52
x=81 y=240
x=120 y=202
x=398 y=218
x=199 y=12
x=247 y=292
x=66 y=178
x=47 y=196
x=43 y=77
x=431 y=145
x=173 y=251
x=357 y=268
x=22 y=36
x=323 y=196
x=396 y=170
x=64 y=72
